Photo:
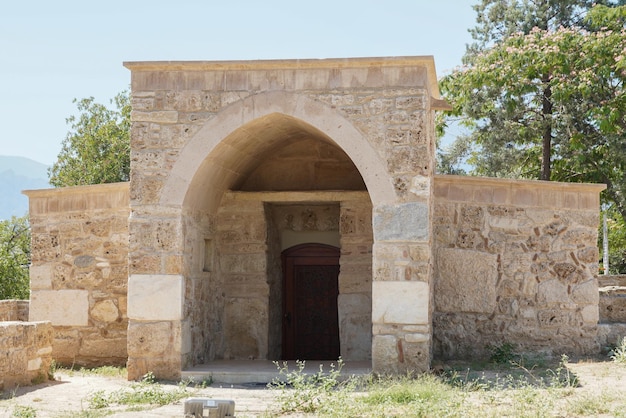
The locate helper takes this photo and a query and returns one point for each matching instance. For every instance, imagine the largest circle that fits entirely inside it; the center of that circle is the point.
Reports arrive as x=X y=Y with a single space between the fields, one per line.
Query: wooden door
x=310 y=290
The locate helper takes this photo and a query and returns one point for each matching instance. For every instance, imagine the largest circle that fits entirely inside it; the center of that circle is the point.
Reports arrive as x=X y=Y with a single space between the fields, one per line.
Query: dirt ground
x=69 y=395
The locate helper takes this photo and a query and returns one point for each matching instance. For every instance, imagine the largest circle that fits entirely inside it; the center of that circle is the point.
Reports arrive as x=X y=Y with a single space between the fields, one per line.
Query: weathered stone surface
x=105 y=311
x=61 y=307
x=27 y=353
x=245 y=322
x=155 y=297
x=355 y=326
x=467 y=281
x=541 y=247
x=402 y=222
x=400 y=302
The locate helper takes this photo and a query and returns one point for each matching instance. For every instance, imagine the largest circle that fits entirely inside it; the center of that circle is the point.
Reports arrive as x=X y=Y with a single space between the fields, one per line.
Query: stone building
x=290 y=209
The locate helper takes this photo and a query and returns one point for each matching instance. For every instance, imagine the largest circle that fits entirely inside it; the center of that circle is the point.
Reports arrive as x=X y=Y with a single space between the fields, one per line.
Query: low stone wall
x=79 y=270
x=612 y=298
x=13 y=310
x=515 y=262
x=25 y=347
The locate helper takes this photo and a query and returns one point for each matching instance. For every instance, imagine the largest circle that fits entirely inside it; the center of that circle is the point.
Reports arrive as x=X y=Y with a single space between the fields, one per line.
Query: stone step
x=261 y=372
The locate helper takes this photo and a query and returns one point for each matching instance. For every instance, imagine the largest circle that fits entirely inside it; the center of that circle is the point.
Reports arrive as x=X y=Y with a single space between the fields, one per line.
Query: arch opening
x=272 y=180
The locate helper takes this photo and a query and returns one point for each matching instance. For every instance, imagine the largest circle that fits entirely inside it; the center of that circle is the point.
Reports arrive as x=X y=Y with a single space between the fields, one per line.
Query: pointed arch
x=228 y=143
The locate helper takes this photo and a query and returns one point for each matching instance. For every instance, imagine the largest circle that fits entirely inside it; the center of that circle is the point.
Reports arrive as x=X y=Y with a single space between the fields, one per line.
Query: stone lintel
x=298 y=196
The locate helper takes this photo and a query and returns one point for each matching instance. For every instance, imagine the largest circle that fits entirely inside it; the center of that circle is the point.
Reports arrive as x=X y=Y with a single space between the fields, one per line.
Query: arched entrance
x=310 y=292
x=217 y=145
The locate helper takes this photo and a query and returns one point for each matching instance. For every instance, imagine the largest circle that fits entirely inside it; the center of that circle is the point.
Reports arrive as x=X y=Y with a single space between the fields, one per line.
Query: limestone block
x=96 y=347
x=154 y=297
x=355 y=326
x=40 y=276
x=105 y=311
x=385 y=353
x=466 y=281
x=243 y=263
x=586 y=293
x=552 y=318
x=164 y=116
x=151 y=339
x=245 y=326
x=61 y=307
x=590 y=314
x=400 y=302
x=66 y=344
x=552 y=291
x=401 y=222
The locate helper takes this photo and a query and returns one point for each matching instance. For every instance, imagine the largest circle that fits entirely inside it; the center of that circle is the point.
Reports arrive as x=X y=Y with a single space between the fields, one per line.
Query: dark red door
x=310 y=320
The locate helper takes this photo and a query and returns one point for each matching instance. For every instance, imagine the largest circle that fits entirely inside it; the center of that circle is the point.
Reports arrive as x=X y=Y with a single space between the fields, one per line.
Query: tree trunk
x=547 y=129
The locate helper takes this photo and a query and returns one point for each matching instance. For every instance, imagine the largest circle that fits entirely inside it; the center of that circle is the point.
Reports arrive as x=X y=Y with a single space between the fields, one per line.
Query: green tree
x=548 y=104
x=14 y=258
x=616 y=232
x=542 y=96
x=97 y=147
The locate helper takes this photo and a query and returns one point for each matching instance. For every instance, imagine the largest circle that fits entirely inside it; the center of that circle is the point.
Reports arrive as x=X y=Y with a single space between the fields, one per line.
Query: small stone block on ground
x=213 y=408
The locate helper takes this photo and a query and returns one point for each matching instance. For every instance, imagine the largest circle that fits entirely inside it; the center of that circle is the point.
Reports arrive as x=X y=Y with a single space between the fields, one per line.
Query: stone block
x=401 y=222
x=552 y=291
x=152 y=339
x=466 y=281
x=66 y=307
x=41 y=277
x=154 y=297
x=105 y=311
x=355 y=326
x=384 y=354
x=245 y=325
x=400 y=302
x=163 y=116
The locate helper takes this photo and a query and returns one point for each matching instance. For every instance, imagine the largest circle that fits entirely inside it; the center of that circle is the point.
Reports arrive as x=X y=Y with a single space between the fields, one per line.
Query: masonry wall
x=25 y=353
x=14 y=310
x=515 y=262
x=25 y=347
x=202 y=128
x=79 y=271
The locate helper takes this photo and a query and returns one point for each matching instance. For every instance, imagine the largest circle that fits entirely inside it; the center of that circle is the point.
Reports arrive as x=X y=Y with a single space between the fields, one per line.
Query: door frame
x=289 y=257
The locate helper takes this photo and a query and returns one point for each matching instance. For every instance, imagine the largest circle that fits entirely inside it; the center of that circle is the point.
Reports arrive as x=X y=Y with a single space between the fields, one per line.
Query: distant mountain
x=17 y=174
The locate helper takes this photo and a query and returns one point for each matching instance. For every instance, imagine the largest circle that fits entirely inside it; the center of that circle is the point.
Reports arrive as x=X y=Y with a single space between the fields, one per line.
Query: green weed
x=618 y=353
x=318 y=393
x=24 y=412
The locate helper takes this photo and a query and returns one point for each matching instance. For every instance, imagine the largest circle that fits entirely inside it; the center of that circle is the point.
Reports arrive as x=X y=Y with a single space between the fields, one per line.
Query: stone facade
x=233 y=163
x=202 y=128
x=25 y=347
x=516 y=262
x=79 y=271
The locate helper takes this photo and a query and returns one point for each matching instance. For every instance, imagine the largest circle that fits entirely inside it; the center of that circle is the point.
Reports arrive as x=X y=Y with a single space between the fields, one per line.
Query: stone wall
x=253 y=228
x=79 y=270
x=25 y=353
x=515 y=262
x=14 y=310
x=612 y=327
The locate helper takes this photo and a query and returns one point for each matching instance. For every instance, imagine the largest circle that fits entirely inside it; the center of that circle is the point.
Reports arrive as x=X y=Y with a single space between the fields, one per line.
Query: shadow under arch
x=221 y=153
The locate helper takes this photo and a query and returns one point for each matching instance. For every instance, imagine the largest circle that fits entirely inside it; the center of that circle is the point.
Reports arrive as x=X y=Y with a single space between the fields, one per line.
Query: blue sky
x=54 y=51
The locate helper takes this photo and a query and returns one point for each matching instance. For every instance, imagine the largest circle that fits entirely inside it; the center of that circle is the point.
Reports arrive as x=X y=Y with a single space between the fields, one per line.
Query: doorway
x=310 y=321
